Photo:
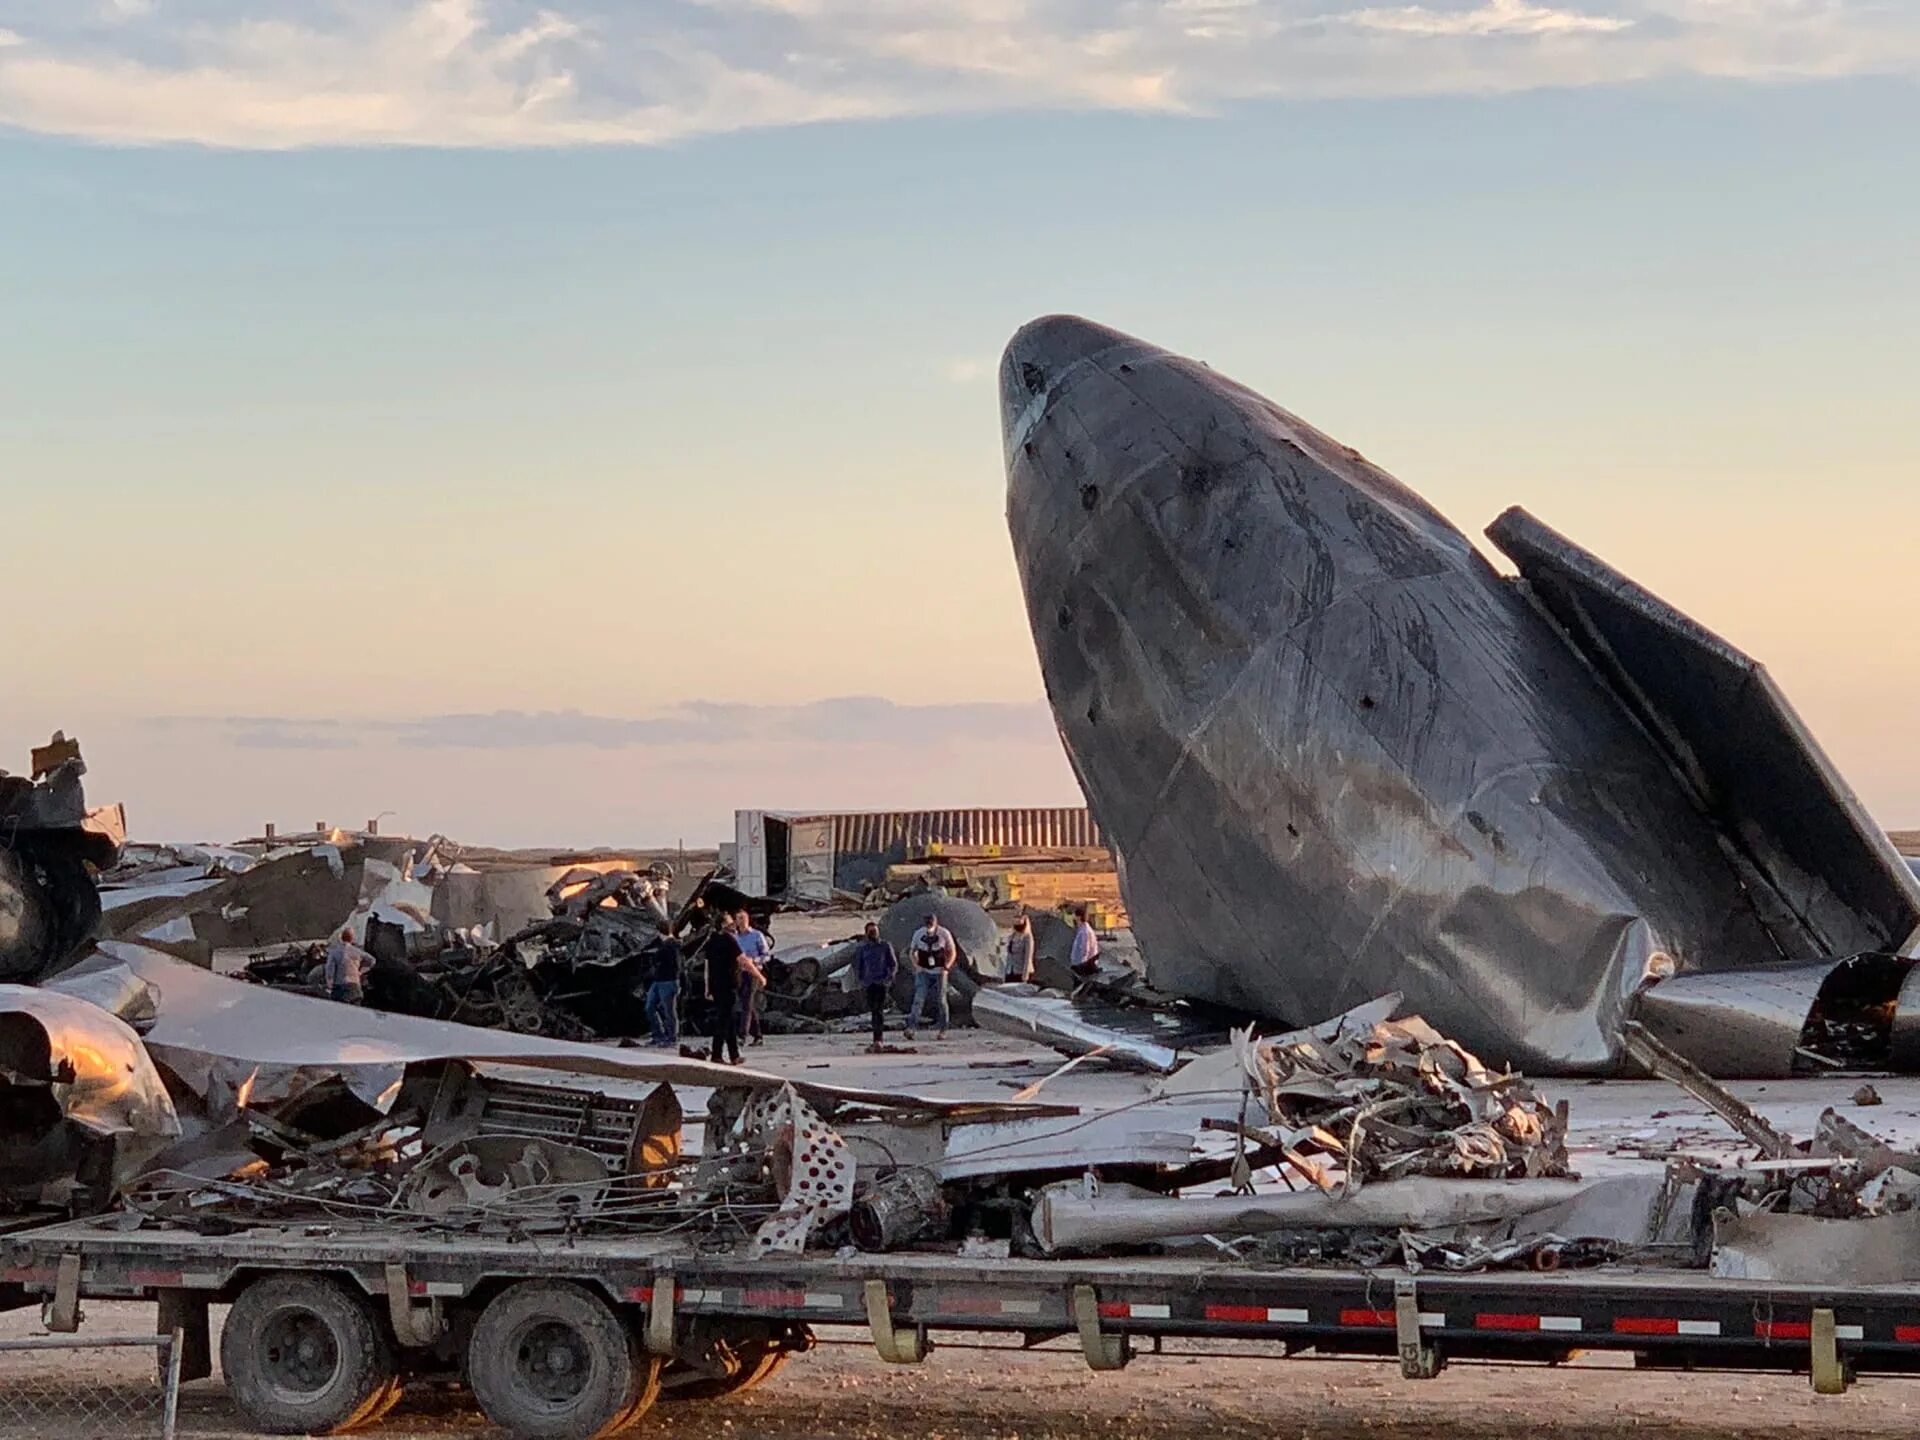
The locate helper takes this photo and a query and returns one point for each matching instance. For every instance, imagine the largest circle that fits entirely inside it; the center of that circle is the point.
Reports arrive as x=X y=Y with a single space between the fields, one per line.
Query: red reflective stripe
x=1494 y=1320
x=1635 y=1325
x=1381 y=1319
x=154 y=1277
x=1907 y=1334
x=641 y=1293
x=1783 y=1329
x=1114 y=1310
x=775 y=1297
x=1255 y=1313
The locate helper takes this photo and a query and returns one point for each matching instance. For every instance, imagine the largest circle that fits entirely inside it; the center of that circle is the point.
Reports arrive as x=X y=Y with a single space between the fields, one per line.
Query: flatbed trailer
x=626 y=1320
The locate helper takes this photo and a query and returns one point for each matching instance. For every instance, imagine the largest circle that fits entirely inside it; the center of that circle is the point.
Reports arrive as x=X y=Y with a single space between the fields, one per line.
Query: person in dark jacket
x=722 y=954
x=663 y=988
x=874 y=966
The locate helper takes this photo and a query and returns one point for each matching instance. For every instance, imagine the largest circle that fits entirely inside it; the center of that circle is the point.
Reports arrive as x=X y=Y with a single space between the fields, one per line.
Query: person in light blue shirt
x=756 y=948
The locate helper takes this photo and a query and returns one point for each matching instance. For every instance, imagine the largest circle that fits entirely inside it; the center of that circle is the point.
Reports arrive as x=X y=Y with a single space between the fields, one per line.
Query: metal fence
x=60 y=1385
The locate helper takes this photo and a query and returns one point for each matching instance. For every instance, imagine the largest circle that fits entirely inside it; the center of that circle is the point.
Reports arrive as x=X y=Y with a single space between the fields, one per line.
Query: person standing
x=1020 y=952
x=756 y=948
x=347 y=967
x=933 y=953
x=874 y=966
x=1086 y=944
x=663 y=989
x=722 y=956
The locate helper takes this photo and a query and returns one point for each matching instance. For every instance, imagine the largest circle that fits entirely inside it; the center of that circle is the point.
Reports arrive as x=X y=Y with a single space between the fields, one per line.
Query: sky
x=566 y=424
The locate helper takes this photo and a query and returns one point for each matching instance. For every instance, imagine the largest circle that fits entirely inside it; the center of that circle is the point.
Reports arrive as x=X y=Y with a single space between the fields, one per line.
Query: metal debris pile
x=467 y=1153
x=574 y=973
x=1362 y=1136
x=1760 y=1203
x=141 y=1084
x=1400 y=1099
x=406 y=901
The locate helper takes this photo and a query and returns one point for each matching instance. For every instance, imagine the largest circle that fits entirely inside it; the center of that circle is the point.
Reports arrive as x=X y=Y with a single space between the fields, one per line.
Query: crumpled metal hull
x=1342 y=755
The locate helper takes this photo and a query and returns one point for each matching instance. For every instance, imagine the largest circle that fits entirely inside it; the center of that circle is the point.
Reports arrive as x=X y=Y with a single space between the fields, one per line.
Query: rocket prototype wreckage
x=1340 y=754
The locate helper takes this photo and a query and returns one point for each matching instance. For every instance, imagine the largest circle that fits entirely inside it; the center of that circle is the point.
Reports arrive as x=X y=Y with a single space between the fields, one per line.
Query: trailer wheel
x=550 y=1360
x=304 y=1355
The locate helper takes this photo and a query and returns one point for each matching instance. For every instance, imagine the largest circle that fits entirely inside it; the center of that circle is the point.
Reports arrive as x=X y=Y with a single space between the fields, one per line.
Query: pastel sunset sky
x=566 y=423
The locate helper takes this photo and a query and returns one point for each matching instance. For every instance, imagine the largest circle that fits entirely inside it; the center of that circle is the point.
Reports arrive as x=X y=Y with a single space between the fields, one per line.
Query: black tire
x=550 y=1360
x=304 y=1355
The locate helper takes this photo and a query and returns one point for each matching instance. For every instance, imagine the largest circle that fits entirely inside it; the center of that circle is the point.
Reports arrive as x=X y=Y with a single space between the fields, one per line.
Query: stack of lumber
x=1006 y=876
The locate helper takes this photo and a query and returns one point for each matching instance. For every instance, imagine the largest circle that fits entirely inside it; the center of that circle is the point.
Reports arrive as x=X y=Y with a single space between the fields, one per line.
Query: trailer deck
x=1662 y=1314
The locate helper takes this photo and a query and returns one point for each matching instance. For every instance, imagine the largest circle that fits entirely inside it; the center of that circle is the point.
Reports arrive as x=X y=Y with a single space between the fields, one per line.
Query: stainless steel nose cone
x=1338 y=752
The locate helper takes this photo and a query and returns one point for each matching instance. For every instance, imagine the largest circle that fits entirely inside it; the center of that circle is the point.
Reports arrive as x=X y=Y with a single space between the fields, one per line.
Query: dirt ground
x=843 y=1390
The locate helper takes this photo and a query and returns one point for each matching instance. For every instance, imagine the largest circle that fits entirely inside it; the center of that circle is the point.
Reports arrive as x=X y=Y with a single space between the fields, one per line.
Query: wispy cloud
x=1499 y=17
x=844 y=721
x=284 y=73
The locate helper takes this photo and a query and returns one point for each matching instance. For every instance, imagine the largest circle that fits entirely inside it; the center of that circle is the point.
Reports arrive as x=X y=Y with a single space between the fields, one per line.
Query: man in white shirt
x=1086 y=944
x=933 y=953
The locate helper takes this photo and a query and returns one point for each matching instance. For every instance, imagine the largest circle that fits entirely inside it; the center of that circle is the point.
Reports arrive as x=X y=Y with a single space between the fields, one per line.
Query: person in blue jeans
x=934 y=953
x=756 y=948
x=874 y=966
x=663 y=989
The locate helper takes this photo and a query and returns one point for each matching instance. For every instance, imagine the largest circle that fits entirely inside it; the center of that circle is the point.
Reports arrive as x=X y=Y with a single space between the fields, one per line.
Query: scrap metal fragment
x=814 y=1169
x=1156 y=1039
x=898 y=1210
x=1658 y=1060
